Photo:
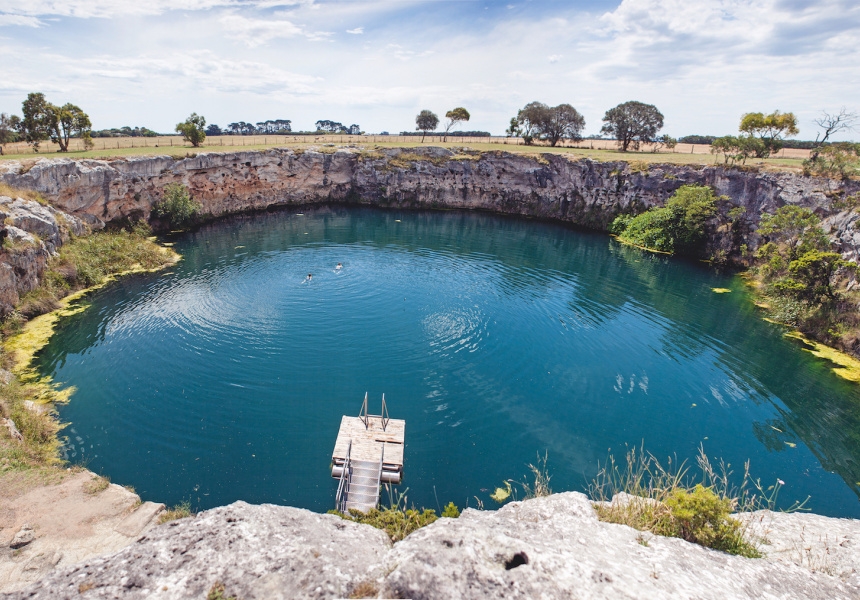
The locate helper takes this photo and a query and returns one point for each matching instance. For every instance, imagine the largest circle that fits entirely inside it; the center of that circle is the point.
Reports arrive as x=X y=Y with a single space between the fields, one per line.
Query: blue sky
x=378 y=62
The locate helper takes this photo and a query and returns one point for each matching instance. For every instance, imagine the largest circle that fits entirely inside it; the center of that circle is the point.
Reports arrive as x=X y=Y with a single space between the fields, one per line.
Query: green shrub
x=451 y=511
x=702 y=517
x=678 y=227
x=396 y=521
x=662 y=500
x=176 y=207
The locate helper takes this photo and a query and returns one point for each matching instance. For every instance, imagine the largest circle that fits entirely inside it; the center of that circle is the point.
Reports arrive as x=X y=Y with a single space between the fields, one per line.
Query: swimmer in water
x=308 y=278
x=338 y=267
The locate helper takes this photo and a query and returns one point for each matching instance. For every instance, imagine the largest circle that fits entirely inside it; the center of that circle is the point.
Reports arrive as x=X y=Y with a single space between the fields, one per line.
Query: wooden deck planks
x=367 y=442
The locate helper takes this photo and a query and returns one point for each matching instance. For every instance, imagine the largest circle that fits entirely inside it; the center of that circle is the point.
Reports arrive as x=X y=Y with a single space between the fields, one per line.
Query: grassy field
x=602 y=150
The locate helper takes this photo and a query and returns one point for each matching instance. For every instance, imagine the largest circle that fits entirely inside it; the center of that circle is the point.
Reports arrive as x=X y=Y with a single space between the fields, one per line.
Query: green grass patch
x=667 y=501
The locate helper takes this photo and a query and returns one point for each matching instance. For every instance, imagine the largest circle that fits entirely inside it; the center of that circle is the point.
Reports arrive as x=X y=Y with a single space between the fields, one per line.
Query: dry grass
x=14 y=192
x=39 y=428
x=600 y=150
x=98 y=483
x=365 y=589
x=180 y=511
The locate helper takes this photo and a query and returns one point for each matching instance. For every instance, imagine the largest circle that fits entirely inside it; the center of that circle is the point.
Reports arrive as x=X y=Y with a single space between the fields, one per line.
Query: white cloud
x=85 y=9
x=256 y=32
x=702 y=62
x=356 y=31
x=20 y=20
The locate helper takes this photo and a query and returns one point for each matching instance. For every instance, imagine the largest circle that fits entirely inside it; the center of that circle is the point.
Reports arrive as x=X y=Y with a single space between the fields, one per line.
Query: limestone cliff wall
x=583 y=192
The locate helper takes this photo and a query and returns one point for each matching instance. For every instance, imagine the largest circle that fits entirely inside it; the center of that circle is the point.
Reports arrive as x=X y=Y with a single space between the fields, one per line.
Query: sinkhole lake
x=225 y=377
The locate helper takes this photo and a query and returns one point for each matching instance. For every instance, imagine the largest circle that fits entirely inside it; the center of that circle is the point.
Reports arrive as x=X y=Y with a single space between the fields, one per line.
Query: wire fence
x=167 y=142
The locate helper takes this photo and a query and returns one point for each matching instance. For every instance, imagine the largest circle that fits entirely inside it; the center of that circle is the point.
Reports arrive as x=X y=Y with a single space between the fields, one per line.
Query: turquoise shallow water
x=226 y=377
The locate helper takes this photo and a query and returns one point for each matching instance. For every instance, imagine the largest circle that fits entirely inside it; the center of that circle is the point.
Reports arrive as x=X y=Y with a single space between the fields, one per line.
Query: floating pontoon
x=368 y=452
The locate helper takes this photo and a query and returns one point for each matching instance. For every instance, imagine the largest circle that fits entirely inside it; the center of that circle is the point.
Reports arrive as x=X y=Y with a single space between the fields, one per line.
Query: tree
x=330 y=126
x=213 y=130
x=736 y=148
x=632 y=123
x=38 y=119
x=839 y=160
x=426 y=121
x=69 y=120
x=550 y=123
x=513 y=129
x=830 y=124
x=770 y=129
x=528 y=120
x=8 y=129
x=561 y=122
x=664 y=141
x=455 y=116
x=813 y=271
x=798 y=228
x=679 y=226
x=43 y=120
x=192 y=129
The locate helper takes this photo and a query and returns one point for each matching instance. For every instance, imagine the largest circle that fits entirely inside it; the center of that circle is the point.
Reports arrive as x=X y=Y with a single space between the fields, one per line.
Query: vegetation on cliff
x=678 y=227
x=666 y=500
x=82 y=263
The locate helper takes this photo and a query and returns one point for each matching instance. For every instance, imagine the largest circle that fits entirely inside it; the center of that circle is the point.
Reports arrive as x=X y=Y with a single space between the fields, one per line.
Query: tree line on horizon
x=631 y=124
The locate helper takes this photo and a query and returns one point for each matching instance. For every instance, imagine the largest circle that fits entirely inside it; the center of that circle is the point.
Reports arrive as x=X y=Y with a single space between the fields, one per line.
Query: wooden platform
x=367 y=442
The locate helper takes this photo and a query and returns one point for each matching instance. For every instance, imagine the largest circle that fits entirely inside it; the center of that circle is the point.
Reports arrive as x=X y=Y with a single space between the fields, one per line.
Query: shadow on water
x=495 y=338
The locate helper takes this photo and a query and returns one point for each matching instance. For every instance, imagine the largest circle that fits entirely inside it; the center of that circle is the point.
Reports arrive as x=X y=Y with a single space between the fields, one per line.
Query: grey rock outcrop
x=551 y=547
x=31 y=233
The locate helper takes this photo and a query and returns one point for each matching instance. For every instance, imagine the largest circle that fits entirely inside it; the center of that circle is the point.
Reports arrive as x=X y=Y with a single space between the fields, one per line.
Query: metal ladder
x=359 y=483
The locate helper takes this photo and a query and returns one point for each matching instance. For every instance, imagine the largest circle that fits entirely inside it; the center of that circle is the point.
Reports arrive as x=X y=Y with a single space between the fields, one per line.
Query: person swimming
x=309 y=277
x=338 y=267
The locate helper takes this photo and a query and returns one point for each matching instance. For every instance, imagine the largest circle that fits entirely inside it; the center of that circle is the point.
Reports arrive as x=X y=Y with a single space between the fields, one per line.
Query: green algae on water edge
x=719 y=290
x=846 y=367
x=36 y=333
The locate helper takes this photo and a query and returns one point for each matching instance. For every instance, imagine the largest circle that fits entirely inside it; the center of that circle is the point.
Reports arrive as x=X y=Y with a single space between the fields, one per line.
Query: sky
x=377 y=63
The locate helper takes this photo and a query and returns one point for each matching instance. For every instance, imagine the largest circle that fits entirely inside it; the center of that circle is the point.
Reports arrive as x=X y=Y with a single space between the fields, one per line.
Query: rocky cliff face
x=582 y=192
x=30 y=234
x=551 y=547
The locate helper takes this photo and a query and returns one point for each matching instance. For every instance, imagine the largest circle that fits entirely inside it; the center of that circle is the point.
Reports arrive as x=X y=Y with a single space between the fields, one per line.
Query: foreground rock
x=54 y=518
x=544 y=548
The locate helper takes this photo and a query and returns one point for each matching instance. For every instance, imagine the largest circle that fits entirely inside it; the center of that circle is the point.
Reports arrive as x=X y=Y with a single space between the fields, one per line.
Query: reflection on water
x=494 y=338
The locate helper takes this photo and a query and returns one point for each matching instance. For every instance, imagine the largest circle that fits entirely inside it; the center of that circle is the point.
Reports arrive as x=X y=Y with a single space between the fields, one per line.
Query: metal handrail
x=365 y=418
x=379 y=474
x=384 y=415
x=339 y=503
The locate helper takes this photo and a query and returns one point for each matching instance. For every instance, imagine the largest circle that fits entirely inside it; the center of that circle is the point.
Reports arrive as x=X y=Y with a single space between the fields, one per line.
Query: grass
x=13 y=192
x=641 y=160
x=39 y=429
x=98 y=483
x=396 y=520
x=665 y=500
x=217 y=592
x=180 y=511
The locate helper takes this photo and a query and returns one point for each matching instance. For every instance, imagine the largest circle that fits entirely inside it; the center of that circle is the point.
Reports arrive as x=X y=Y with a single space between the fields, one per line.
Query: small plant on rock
x=177 y=207
x=180 y=511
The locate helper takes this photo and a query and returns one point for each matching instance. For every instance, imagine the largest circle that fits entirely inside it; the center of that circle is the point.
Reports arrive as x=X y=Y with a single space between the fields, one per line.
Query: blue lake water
x=225 y=378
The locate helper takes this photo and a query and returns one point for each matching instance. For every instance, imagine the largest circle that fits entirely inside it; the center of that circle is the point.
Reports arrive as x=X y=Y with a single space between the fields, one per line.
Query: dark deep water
x=226 y=377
